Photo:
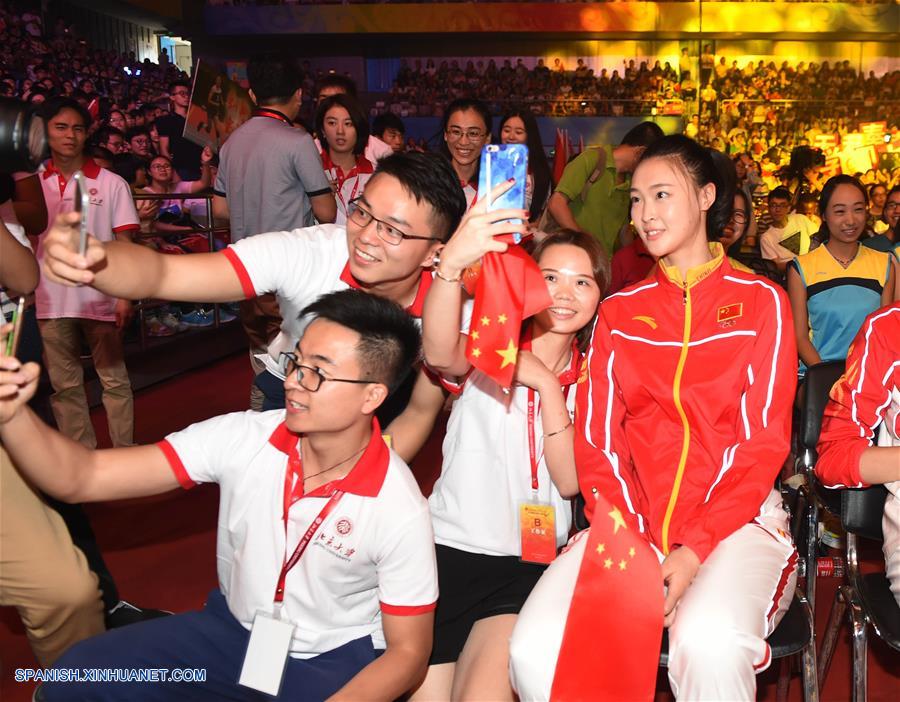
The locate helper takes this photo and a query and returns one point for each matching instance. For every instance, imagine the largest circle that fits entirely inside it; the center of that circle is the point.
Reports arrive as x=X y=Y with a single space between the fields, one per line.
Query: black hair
x=643 y=134
x=126 y=166
x=599 y=268
x=335 y=80
x=727 y=183
x=823 y=235
x=537 y=160
x=389 y=338
x=104 y=133
x=430 y=178
x=890 y=193
x=385 y=121
x=698 y=164
x=179 y=84
x=137 y=131
x=781 y=193
x=273 y=78
x=461 y=105
x=53 y=106
x=357 y=116
x=100 y=152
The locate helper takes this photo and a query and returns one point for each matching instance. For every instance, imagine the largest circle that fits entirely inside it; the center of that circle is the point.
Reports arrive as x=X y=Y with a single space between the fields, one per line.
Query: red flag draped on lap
x=610 y=647
x=509 y=288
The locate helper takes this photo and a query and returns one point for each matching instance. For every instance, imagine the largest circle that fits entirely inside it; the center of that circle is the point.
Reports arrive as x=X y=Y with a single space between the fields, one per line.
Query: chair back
x=819 y=380
x=862 y=510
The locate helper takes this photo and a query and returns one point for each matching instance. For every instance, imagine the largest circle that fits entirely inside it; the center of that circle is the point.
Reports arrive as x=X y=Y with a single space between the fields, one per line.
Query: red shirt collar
x=418 y=304
x=89 y=168
x=363 y=165
x=366 y=477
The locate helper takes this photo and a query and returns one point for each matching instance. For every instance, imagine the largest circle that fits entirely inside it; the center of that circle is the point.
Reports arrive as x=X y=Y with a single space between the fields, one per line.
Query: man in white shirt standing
x=326 y=566
x=66 y=314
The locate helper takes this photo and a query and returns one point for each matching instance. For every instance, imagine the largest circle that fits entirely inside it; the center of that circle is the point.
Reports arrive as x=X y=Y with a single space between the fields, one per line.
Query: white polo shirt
x=373 y=553
x=111 y=212
x=299 y=266
x=486 y=471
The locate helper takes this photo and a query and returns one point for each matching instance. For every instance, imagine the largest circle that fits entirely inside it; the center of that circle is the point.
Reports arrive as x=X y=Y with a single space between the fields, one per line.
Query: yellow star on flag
x=601 y=548
x=508 y=354
x=475 y=335
x=485 y=321
x=622 y=565
x=501 y=319
x=476 y=352
x=631 y=552
x=608 y=563
x=618 y=521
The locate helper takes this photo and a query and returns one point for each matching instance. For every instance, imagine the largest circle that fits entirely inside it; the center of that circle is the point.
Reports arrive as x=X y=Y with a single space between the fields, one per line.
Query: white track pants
x=717 y=642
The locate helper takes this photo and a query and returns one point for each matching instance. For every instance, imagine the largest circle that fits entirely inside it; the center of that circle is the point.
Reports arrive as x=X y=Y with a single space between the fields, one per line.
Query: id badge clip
x=537 y=531
x=267 y=652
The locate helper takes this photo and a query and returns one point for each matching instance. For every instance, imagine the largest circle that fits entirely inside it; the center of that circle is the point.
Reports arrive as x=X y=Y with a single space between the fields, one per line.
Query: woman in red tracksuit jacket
x=683 y=423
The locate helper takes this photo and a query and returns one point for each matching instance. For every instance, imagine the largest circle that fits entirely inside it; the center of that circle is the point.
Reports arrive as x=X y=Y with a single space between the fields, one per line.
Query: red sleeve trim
x=176 y=465
x=455 y=388
x=127 y=228
x=407 y=611
x=242 y=274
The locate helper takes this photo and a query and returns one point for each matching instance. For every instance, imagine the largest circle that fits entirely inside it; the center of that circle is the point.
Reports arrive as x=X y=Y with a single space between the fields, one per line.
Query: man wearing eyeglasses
x=184 y=154
x=327 y=581
x=407 y=210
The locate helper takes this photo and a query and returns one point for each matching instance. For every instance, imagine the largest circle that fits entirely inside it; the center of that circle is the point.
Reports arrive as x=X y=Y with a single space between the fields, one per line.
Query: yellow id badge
x=537 y=531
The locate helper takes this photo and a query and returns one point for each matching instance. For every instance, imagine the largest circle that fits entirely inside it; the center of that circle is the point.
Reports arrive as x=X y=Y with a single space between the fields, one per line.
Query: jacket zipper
x=686 y=437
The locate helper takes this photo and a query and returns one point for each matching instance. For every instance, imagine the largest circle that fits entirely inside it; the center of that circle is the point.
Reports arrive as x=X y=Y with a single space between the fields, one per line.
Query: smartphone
x=12 y=341
x=499 y=163
x=82 y=205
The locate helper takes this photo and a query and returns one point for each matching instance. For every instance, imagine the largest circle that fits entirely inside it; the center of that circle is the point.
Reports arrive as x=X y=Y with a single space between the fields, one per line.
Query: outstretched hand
x=62 y=262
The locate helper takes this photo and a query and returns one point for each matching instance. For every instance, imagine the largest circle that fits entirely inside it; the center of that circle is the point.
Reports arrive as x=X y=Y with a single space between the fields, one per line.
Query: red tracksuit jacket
x=860 y=399
x=683 y=411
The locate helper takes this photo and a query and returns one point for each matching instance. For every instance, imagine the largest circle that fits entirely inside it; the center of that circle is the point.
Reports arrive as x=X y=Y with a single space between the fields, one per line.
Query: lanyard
x=273 y=114
x=341 y=179
x=291 y=495
x=532 y=451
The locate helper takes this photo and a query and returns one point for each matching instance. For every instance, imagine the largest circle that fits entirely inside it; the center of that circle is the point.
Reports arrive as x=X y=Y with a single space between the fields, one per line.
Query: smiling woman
x=467 y=127
x=659 y=407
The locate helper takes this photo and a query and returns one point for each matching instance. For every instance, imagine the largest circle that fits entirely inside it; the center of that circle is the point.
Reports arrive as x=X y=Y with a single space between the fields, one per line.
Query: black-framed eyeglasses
x=310 y=378
x=388 y=233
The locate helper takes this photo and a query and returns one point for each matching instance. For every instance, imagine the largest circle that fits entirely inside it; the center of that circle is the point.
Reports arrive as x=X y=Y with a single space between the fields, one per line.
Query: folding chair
x=818 y=383
x=867 y=599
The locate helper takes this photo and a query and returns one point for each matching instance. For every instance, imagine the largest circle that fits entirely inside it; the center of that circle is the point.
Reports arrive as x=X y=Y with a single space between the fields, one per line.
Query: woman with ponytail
x=835 y=286
x=683 y=418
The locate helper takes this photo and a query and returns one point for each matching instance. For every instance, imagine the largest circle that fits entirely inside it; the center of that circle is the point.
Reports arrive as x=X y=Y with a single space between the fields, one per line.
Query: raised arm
x=64 y=468
x=131 y=271
x=444 y=346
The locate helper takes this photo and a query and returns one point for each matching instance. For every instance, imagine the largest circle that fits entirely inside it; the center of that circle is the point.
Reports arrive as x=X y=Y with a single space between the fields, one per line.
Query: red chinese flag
x=509 y=288
x=561 y=155
x=618 y=601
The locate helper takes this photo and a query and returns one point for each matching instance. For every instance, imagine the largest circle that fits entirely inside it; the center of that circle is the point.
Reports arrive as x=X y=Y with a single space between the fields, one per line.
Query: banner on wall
x=218 y=106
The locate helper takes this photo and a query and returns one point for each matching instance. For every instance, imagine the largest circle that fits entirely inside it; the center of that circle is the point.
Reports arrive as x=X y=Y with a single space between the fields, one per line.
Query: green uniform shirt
x=606 y=208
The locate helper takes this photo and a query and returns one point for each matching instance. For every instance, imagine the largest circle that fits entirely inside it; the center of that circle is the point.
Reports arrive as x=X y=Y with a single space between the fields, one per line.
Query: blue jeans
x=210 y=639
x=272 y=388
